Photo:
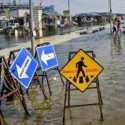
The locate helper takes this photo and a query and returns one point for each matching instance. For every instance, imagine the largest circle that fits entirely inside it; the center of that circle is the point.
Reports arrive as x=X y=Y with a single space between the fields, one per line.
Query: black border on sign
x=71 y=60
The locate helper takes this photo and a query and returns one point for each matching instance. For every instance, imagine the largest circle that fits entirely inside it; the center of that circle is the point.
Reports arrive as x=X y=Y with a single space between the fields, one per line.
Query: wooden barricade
x=12 y=86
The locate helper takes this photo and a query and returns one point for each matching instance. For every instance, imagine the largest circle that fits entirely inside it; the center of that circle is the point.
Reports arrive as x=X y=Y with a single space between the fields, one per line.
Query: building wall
x=22 y=12
x=37 y=17
x=19 y=12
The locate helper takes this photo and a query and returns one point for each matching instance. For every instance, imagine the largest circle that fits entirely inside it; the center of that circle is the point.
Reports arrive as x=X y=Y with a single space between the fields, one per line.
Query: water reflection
x=6 y=41
x=116 y=46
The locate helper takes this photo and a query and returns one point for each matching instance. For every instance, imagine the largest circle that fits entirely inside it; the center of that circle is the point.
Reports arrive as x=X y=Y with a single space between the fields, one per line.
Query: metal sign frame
x=92 y=57
x=45 y=73
x=16 y=89
x=17 y=57
x=36 y=78
x=13 y=54
x=68 y=91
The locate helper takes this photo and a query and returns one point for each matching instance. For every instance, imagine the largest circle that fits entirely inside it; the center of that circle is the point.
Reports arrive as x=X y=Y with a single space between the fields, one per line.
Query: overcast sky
x=78 y=6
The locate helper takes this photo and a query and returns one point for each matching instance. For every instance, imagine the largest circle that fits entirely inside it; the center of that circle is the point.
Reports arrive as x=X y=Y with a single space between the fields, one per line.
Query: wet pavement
x=112 y=81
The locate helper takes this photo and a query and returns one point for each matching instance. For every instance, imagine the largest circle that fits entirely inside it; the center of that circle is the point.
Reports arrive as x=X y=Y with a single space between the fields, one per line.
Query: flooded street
x=6 y=42
x=111 y=55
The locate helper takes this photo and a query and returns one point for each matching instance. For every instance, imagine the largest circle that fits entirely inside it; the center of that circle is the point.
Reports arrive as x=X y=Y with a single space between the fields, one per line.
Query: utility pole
x=69 y=9
x=70 y=18
x=110 y=14
x=31 y=26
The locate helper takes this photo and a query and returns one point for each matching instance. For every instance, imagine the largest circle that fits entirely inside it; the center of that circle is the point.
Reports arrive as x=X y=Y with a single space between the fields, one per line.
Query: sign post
x=31 y=26
x=47 y=57
x=2 y=120
x=48 y=61
x=12 y=86
x=23 y=68
x=12 y=56
x=81 y=71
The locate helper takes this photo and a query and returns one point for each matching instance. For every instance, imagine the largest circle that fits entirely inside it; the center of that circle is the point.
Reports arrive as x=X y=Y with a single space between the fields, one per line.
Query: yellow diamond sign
x=81 y=70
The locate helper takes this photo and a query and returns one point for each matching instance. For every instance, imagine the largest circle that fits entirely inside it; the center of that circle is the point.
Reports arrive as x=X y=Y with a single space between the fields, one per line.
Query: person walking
x=116 y=29
x=114 y=25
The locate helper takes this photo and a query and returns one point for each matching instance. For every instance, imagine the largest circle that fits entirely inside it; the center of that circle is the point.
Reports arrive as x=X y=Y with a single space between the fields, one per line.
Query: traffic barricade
x=11 y=86
x=36 y=78
x=87 y=79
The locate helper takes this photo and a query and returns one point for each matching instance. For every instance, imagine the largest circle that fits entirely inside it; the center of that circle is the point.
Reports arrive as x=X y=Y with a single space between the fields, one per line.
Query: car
x=10 y=26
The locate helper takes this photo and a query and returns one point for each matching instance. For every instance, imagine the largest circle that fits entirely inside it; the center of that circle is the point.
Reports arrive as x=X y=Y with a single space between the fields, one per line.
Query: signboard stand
x=60 y=76
x=12 y=56
x=2 y=120
x=69 y=89
x=14 y=88
x=45 y=74
x=41 y=85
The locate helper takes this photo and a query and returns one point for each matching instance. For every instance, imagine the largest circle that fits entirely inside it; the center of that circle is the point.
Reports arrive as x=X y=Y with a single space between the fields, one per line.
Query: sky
x=78 y=6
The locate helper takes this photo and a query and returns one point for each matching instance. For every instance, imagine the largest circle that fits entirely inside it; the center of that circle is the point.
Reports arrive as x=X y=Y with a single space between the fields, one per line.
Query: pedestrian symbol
x=47 y=57
x=81 y=70
x=79 y=66
x=23 y=68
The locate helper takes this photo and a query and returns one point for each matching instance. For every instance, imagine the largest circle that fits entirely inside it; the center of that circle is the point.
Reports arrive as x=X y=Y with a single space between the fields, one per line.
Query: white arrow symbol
x=22 y=70
x=46 y=57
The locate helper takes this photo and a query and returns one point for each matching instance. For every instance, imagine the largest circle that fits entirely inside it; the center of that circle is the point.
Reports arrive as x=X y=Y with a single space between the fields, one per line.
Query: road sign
x=81 y=70
x=23 y=68
x=47 y=57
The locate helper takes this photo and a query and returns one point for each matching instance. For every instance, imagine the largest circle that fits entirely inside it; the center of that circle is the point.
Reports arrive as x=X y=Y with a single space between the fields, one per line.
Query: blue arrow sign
x=47 y=57
x=23 y=68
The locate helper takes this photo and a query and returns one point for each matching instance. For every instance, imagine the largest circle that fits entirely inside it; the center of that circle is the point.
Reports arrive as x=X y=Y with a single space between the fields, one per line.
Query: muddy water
x=6 y=42
x=112 y=81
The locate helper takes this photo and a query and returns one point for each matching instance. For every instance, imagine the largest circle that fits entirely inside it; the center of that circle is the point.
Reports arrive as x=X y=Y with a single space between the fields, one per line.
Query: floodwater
x=111 y=55
x=6 y=42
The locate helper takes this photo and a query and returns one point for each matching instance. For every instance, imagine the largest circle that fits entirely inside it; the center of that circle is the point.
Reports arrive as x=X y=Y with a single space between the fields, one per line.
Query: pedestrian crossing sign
x=81 y=70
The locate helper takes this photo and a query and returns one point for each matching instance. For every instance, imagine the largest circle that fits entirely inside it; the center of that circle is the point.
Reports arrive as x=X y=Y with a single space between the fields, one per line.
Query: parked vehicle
x=10 y=25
